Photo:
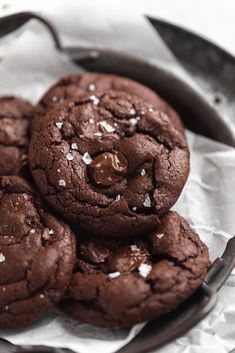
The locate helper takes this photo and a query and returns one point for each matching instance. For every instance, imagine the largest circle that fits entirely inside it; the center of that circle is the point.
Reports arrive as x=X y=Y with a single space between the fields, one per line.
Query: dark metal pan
x=199 y=116
x=197 y=113
x=210 y=63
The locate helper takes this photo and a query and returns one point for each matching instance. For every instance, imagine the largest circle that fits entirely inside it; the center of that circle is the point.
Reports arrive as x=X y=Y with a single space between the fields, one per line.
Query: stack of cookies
x=88 y=178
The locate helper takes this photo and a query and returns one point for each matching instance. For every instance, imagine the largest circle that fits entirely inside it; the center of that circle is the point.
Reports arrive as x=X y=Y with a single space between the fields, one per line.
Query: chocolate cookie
x=119 y=285
x=15 y=116
x=74 y=86
x=109 y=163
x=37 y=254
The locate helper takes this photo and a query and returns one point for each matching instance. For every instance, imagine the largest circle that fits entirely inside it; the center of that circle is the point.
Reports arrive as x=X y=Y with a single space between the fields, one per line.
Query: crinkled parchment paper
x=29 y=65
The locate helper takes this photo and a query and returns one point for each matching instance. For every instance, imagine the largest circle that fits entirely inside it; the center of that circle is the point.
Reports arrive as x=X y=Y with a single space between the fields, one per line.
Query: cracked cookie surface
x=109 y=163
x=74 y=86
x=121 y=284
x=37 y=255
x=15 y=117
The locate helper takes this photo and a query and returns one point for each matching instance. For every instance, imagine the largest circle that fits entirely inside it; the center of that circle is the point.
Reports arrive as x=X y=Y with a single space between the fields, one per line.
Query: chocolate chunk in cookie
x=121 y=284
x=75 y=86
x=15 y=117
x=108 y=168
x=37 y=255
x=109 y=163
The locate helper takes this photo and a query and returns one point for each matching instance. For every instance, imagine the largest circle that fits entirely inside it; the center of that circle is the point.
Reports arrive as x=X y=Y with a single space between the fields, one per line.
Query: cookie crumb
x=2 y=257
x=74 y=146
x=62 y=182
x=114 y=274
x=94 y=100
x=59 y=125
x=69 y=157
x=51 y=231
x=91 y=87
x=144 y=270
x=107 y=126
x=87 y=158
x=147 y=202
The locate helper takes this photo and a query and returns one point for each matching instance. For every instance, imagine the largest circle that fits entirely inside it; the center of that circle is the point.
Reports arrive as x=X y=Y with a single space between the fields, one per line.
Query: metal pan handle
x=221 y=267
x=11 y=23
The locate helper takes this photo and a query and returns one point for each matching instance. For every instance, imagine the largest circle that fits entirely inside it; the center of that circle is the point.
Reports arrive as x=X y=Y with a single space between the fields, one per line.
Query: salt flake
x=133 y=121
x=142 y=172
x=59 y=125
x=160 y=235
x=74 y=146
x=134 y=248
x=114 y=274
x=91 y=87
x=118 y=197
x=144 y=270
x=94 y=100
x=107 y=126
x=69 y=157
x=87 y=158
x=132 y=111
x=62 y=182
x=2 y=257
x=147 y=202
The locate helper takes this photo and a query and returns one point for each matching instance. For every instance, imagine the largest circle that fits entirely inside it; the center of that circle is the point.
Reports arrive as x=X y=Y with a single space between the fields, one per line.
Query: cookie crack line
x=75 y=103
